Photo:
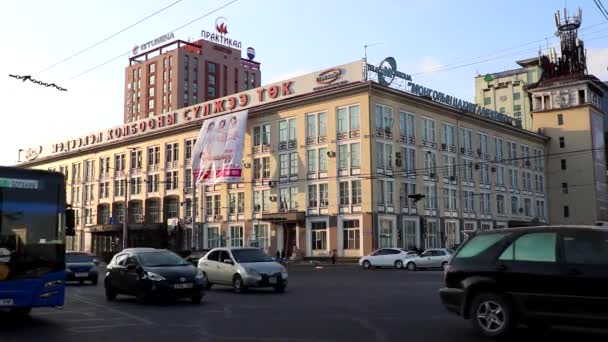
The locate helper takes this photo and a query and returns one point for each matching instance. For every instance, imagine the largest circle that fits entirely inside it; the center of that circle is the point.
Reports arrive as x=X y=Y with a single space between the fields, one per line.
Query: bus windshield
x=31 y=212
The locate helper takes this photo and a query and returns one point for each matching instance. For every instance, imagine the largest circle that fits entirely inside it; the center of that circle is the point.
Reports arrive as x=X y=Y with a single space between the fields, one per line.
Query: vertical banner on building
x=218 y=151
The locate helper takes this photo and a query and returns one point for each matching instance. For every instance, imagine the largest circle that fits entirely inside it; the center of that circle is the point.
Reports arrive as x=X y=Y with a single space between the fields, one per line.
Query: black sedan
x=149 y=272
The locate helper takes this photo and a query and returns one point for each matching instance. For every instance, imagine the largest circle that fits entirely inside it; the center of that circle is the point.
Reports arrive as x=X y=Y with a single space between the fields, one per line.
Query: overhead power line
x=107 y=38
x=601 y=8
x=176 y=29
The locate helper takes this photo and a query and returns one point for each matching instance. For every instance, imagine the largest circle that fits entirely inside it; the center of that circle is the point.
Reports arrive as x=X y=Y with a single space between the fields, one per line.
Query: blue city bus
x=34 y=221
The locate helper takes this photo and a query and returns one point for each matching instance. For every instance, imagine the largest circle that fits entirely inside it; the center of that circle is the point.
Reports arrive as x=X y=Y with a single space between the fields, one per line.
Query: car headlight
x=200 y=275
x=154 y=276
x=284 y=272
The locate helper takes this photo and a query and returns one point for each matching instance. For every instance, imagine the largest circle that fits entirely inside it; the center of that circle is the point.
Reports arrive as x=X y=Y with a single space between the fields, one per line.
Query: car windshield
x=157 y=259
x=77 y=257
x=250 y=255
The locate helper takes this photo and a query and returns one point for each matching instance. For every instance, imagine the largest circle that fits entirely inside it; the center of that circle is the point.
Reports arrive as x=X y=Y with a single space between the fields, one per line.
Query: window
x=430 y=164
x=348 y=118
x=450 y=199
x=384 y=117
x=526 y=178
x=514 y=205
x=586 y=248
x=312 y=196
x=312 y=160
x=104 y=165
x=512 y=150
x=409 y=234
x=261 y=135
x=487 y=100
x=261 y=200
x=261 y=236
x=152 y=183
x=430 y=201
x=172 y=152
x=287 y=130
x=171 y=180
x=136 y=159
x=188 y=149
x=534 y=247
x=171 y=207
x=408 y=157
x=355 y=192
x=448 y=133
x=485 y=173
x=539 y=183
x=500 y=175
x=319 y=236
x=217 y=204
x=478 y=245
x=119 y=212
x=119 y=187
x=500 y=204
x=562 y=142
x=560 y=119
x=566 y=211
x=516 y=96
x=316 y=125
x=407 y=124
x=208 y=205
x=467 y=170
x=213 y=240
x=502 y=109
x=482 y=144
x=236 y=236
x=564 y=188
x=323 y=195
x=261 y=168
x=408 y=189
x=344 y=196
x=466 y=139
x=135 y=187
x=540 y=208
x=351 y=234
x=119 y=164
x=563 y=164
x=517 y=108
x=380 y=154
x=104 y=190
x=288 y=198
x=211 y=80
x=428 y=130
x=323 y=159
x=104 y=214
x=485 y=206
x=498 y=148
x=513 y=179
x=386 y=192
x=527 y=207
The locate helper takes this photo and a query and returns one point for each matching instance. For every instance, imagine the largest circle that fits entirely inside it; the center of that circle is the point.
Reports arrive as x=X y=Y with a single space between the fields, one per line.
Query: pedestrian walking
x=278 y=255
x=332 y=255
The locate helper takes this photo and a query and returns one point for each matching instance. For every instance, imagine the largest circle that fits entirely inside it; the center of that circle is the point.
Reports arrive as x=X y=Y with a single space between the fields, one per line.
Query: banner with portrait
x=218 y=152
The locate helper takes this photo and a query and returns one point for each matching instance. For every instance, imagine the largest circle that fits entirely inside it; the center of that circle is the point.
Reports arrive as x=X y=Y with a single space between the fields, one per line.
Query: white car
x=242 y=268
x=387 y=257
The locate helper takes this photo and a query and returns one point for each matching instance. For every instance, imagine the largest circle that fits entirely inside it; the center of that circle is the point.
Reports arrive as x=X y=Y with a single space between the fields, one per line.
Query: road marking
x=99 y=327
x=84 y=320
x=120 y=312
x=380 y=336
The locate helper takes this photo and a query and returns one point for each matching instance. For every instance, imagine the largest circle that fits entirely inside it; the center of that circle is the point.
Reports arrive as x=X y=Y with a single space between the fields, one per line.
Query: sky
x=442 y=44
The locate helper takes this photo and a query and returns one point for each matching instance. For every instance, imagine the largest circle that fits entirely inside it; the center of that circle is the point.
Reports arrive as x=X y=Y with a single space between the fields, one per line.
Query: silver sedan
x=242 y=268
x=431 y=258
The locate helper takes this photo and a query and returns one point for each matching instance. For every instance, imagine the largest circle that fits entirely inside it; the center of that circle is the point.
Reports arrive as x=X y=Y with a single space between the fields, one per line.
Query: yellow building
x=330 y=160
x=505 y=91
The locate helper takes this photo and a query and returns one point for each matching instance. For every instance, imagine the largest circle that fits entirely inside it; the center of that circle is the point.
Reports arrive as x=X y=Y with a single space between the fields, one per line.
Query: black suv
x=148 y=272
x=538 y=276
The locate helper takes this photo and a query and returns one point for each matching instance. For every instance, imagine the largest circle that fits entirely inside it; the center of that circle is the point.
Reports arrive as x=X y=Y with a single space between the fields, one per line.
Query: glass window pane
x=479 y=244
x=588 y=248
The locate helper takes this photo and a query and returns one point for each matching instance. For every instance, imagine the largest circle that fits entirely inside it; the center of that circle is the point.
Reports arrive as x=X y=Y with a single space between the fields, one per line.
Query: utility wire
x=601 y=8
x=176 y=29
x=107 y=38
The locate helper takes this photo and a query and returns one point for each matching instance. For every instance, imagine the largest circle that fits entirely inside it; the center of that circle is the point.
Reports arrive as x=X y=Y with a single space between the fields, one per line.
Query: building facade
x=179 y=74
x=331 y=160
x=505 y=91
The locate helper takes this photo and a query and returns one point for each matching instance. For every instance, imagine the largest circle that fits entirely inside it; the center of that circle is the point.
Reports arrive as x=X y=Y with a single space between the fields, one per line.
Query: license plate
x=81 y=275
x=6 y=302
x=272 y=280
x=182 y=286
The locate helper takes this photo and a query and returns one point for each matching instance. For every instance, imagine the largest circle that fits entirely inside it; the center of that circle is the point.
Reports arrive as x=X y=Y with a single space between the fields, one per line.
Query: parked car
x=243 y=268
x=386 y=257
x=149 y=272
x=80 y=267
x=431 y=258
x=538 y=276
x=195 y=256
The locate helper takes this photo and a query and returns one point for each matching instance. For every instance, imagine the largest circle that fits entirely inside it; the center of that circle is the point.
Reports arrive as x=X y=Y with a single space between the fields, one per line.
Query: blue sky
x=290 y=37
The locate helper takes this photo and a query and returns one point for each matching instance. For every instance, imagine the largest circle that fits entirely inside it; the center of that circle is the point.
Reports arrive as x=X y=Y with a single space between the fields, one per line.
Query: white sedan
x=386 y=257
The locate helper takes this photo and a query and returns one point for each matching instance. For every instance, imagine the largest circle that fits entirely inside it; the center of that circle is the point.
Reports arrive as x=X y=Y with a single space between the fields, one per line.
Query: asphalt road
x=329 y=304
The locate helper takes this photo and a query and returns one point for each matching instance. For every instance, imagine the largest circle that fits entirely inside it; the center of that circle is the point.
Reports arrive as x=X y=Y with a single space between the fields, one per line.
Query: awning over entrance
x=291 y=216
